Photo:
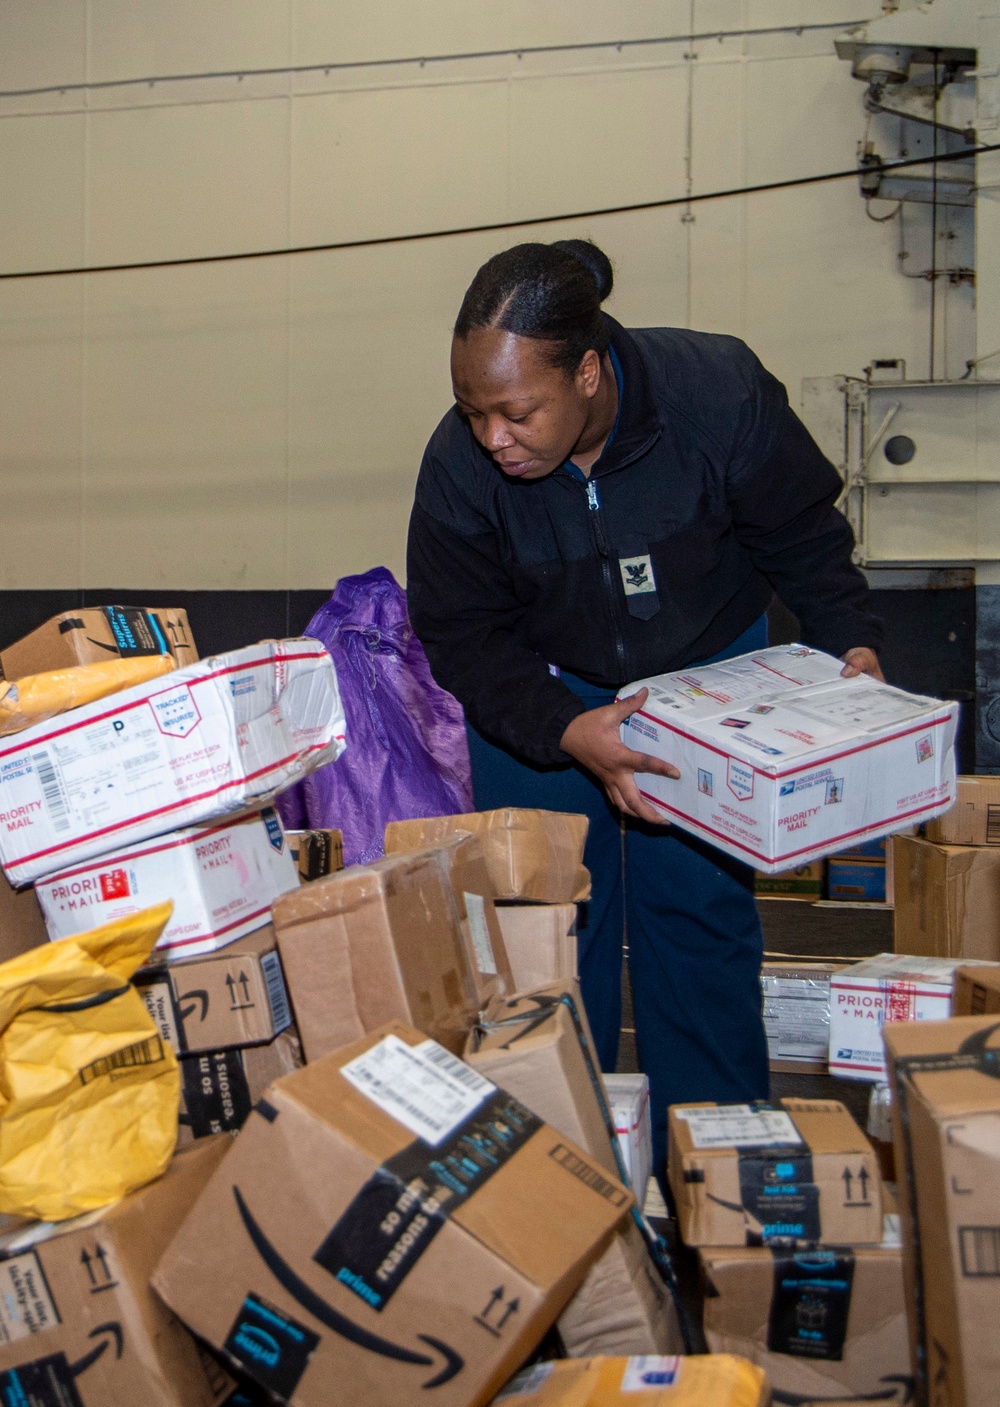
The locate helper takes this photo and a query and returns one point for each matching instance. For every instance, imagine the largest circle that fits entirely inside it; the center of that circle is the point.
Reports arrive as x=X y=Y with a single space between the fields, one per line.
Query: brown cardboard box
x=709 y=1380
x=220 y=1087
x=976 y=991
x=96 y=633
x=804 y=1172
x=21 y=924
x=82 y=1288
x=372 y=944
x=485 y=949
x=975 y=817
x=947 y=899
x=536 y=855
x=823 y=1323
x=541 y=943
x=233 y=997
x=345 y=1249
x=946 y=1129
x=803 y=882
x=316 y=853
x=550 y=1065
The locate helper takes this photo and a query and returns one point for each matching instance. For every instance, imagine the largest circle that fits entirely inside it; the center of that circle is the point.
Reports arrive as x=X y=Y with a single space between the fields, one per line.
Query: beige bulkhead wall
x=260 y=423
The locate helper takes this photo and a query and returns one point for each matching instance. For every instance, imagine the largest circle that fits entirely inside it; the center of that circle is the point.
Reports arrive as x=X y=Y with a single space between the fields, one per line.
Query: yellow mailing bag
x=89 y=1092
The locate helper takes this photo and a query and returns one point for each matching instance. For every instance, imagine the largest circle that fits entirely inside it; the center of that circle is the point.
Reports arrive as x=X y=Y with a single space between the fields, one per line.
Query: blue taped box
x=859 y=880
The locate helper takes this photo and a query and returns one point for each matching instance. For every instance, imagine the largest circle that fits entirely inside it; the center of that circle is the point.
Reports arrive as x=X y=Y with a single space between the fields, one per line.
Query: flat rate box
x=783 y=761
x=212 y=740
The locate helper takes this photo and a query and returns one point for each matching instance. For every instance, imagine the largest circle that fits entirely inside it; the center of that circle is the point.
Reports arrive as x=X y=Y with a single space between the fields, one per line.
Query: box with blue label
x=746 y=1175
x=859 y=881
x=826 y=1324
x=783 y=761
x=388 y=1227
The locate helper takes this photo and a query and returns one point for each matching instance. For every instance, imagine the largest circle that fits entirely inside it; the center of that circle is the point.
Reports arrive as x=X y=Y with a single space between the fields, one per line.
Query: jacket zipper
x=594 y=505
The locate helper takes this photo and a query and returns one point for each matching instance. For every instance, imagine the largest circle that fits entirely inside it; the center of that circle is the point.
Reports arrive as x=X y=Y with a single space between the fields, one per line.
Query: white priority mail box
x=783 y=761
x=628 y=1099
x=222 y=879
x=207 y=741
x=889 y=987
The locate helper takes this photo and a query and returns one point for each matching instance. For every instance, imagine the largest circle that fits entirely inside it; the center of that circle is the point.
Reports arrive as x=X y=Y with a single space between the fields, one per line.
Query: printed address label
x=739 y=1126
x=424 y=1087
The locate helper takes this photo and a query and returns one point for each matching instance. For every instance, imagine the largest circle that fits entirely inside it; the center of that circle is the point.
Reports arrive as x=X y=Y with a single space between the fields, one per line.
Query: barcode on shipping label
x=277 y=992
x=425 y=1088
x=647 y=1371
x=739 y=1126
x=26 y=1304
x=475 y=908
x=52 y=790
x=980 y=1249
x=528 y=1383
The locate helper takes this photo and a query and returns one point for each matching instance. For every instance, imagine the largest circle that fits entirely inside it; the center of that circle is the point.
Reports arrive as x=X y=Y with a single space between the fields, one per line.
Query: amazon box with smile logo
x=388 y=1227
x=747 y=1175
x=79 y=1325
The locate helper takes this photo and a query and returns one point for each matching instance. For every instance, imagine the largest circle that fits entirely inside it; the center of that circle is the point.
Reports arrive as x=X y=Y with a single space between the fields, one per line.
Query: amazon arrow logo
x=109 y=1333
x=338 y=1322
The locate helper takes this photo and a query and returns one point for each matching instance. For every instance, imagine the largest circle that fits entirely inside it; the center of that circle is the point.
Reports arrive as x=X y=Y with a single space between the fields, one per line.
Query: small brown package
x=531 y=855
x=372 y=944
x=95 y=633
x=947 y=899
x=742 y=1174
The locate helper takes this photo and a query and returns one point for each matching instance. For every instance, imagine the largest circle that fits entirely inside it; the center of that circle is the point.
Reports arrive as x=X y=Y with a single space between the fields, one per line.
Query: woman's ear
x=588 y=374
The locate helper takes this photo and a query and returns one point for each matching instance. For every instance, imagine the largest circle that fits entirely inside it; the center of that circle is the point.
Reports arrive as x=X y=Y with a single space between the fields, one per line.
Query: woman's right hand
x=594 y=740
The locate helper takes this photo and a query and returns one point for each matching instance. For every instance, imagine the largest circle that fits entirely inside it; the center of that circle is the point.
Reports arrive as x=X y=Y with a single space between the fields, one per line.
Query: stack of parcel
x=137 y=813
x=799 y=1246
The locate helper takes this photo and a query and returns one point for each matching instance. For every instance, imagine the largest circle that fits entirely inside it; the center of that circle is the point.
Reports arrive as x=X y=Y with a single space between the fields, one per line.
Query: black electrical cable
x=934 y=217
x=496 y=226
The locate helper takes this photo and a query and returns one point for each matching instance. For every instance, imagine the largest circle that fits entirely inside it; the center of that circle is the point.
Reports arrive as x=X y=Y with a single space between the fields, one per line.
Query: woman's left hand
x=862 y=661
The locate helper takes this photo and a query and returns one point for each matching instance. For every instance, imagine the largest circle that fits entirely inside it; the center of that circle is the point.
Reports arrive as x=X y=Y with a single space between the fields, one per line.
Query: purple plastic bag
x=407 y=754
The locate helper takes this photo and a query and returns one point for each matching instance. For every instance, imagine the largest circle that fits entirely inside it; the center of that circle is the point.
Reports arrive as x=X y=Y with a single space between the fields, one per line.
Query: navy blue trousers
x=694 y=936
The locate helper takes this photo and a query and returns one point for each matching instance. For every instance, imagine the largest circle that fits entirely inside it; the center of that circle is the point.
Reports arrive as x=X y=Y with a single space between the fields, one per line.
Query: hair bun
x=595 y=260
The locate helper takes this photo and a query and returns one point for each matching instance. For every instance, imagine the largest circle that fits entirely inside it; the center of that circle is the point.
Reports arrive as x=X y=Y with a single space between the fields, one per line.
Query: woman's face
x=525 y=412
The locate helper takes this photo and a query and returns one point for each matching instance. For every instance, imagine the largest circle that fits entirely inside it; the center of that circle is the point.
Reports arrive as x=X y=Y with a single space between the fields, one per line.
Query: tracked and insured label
x=645 y=1372
x=779 y=1193
x=273 y=1347
x=811 y=1303
x=402 y=1207
x=26 y=1303
x=739 y=1126
x=482 y=944
x=425 y=1088
x=45 y=1382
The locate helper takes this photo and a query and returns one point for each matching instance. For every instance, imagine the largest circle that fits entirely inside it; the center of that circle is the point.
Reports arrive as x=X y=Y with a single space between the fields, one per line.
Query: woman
x=600 y=506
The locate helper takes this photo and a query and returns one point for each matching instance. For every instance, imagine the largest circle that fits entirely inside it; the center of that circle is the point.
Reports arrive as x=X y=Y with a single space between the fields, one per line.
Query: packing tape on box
x=655 y=1244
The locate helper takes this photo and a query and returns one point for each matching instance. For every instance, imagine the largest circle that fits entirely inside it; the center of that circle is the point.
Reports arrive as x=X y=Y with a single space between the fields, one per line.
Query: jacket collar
x=639 y=424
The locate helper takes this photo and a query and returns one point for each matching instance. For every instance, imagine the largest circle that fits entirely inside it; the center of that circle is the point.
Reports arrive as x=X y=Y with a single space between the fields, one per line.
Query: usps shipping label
x=219 y=737
x=222 y=880
x=783 y=761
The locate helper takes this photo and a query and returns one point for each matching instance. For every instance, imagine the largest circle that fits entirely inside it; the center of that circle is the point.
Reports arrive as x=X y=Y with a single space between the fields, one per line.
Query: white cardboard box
x=889 y=987
x=783 y=761
x=628 y=1097
x=214 y=739
x=222 y=880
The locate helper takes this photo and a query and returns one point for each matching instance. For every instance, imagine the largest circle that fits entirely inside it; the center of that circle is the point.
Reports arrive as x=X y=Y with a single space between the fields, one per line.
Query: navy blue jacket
x=710 y=475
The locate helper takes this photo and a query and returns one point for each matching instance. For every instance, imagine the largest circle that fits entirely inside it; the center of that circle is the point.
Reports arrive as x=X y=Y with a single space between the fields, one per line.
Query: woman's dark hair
x=551 y=292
